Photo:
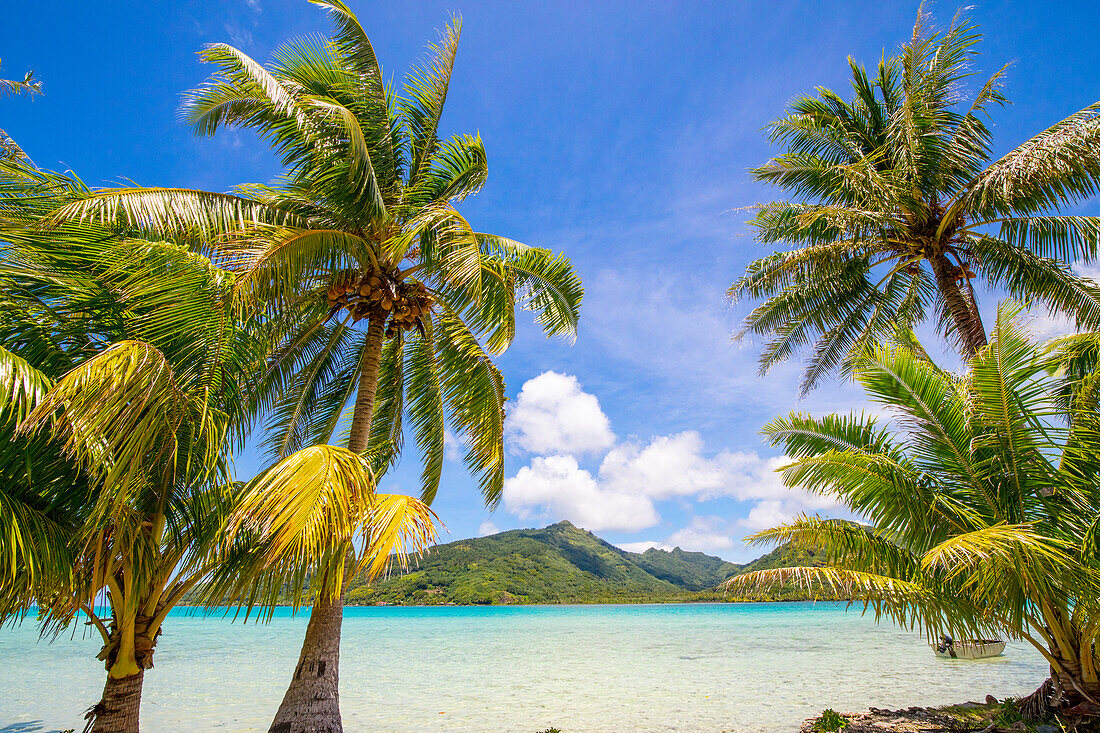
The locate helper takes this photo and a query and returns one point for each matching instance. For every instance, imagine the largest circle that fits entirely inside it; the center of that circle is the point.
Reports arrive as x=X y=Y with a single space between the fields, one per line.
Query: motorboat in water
x=948 y=648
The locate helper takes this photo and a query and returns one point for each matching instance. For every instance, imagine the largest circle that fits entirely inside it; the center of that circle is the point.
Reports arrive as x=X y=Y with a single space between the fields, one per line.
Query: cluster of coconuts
x=363 y=297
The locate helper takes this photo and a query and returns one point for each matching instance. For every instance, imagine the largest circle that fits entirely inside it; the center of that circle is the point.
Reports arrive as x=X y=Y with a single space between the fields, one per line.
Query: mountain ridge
x=560 y=563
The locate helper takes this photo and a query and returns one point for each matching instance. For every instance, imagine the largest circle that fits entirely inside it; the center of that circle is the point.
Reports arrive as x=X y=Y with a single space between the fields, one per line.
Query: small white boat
x=948 y=648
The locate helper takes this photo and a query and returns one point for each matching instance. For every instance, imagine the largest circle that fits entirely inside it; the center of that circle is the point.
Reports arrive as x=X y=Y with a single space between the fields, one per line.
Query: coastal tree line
x=147 y=333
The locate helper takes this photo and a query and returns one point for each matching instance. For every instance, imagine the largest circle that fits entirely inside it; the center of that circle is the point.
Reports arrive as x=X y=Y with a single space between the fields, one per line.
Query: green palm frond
x=22 y=386
x=898 y=180
x=426 y=90
x=980 y=496
x=473 y=389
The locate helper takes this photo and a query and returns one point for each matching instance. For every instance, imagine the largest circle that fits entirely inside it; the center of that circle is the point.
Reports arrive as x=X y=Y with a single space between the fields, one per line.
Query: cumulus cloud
x=555 y=418
x=554 y=487
x=704 y=534
x=1088 y=269
x=553 y=415
x=453 y=446
x=640 y=547
x=671 y=465
x=487 y=528
x=1044 y=324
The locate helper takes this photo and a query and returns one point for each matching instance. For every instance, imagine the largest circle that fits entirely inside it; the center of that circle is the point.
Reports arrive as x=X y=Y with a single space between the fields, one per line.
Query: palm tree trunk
x=118 y=711
x=312 y=702
x=963 y=311
x=368 y=385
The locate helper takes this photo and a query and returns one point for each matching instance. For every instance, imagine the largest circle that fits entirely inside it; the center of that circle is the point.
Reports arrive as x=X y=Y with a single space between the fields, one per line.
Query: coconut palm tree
x=362 y=228
x=898 y=206
x=980 y=495
x=123 y=373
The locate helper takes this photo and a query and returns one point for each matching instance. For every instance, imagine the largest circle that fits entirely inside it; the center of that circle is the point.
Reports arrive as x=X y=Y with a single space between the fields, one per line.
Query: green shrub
x=830 y=721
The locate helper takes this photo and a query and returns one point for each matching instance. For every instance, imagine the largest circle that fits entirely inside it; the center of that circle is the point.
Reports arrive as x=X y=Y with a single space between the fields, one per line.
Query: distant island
x=563 y=563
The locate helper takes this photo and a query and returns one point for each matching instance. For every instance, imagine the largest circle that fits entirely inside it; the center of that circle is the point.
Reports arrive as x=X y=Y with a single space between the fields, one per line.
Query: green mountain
x=688 y=570
x=558 y=564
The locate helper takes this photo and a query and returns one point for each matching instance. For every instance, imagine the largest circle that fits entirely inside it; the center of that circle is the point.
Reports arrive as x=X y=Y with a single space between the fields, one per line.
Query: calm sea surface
x=697 y=667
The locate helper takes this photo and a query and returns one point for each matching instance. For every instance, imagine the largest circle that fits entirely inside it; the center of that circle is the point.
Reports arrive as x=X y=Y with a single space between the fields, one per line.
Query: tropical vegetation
x=362 y=227
x=562 y=563
x=125 y=368
x=980 y=489
x=148 y=334
x=897 y=206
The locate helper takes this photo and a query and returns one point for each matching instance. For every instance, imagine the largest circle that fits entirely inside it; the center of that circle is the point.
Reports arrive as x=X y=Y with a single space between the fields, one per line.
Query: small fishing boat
x=948 y=648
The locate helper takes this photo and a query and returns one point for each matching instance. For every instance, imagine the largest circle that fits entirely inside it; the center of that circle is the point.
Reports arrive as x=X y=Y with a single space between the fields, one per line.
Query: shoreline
x=676 y=602
x=991 y=716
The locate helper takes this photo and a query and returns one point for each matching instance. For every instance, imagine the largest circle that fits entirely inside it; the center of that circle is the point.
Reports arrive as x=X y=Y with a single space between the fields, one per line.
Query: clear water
x=712 y=667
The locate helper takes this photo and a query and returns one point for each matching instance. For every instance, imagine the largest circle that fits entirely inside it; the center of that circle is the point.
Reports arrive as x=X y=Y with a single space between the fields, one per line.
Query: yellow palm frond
x=117 y=414
x=399 y=526
x=308 y=507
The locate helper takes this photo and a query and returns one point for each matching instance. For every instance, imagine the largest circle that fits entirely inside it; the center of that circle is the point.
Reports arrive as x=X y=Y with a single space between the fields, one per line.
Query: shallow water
x=691 y=667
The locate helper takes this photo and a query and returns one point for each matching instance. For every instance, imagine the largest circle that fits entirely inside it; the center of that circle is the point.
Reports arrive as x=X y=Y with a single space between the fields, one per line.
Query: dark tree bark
x=118 y=711
x=363 y=411
x=963 y=310
x=312 y=702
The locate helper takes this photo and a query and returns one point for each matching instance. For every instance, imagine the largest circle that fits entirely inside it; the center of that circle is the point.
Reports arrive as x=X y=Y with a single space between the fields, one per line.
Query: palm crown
x=362 y=226
x=124 y=379
x=898 y=207
x=980 y=493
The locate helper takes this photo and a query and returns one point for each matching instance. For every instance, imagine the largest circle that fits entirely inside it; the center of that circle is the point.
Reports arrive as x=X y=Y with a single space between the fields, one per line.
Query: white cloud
x=554 y=415
x=453 y=446
x=254 y=4
x=556 y=418
x=671 y=465
x=640 y=547
x=1088 y=269
x=555 y=487
x=768 y=514
x=704 y=534
x=676 y=466
x=487 y=527
x=1044 y=324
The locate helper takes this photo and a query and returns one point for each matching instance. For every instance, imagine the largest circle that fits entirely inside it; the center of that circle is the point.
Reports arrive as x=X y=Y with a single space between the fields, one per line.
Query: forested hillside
x=560 y=564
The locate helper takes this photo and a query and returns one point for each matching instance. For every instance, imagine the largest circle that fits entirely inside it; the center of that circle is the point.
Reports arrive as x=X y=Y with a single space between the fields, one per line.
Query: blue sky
x=619 y=133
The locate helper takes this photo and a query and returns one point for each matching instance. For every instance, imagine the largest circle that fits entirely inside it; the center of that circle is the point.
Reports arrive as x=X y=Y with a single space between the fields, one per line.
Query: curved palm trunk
x=128 y=652
x=312 y=702
x=118 y=711
x=1059 y=693
x=963 y=310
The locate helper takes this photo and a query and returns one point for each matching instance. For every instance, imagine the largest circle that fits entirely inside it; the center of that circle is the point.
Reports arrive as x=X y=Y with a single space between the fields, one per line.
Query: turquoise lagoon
x=691 y=667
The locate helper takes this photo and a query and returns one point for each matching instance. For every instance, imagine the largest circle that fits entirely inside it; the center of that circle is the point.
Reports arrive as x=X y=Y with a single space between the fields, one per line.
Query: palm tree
x=981 y=498
x=361 y=228
x=897 y=207
x=123 y=373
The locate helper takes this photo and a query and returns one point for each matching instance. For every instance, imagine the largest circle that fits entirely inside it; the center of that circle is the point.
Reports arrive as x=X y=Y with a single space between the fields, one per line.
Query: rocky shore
x=992 y=716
